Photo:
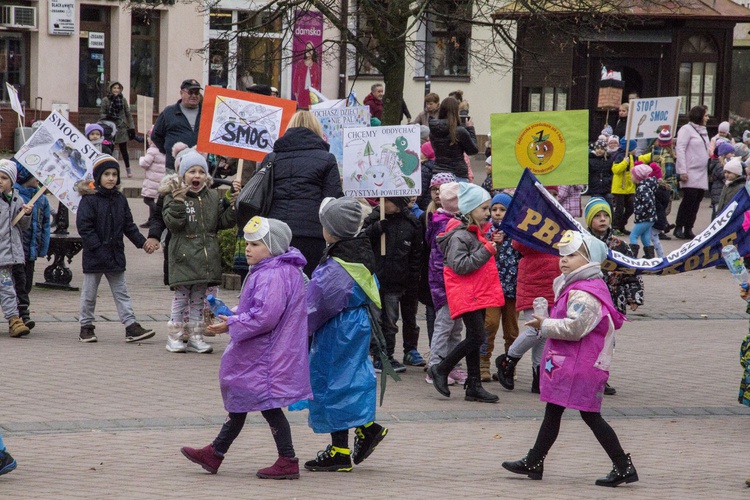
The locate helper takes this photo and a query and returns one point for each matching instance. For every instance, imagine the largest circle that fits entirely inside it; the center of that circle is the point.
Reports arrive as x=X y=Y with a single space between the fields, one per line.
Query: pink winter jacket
x=691 y=150
x=155 y=165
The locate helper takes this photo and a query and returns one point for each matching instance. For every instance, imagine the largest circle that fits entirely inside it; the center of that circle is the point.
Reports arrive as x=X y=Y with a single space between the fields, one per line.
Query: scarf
x=116 y=105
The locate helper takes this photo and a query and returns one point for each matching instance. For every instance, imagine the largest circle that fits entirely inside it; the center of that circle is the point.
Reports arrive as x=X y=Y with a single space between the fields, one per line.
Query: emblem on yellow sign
x=540 y=147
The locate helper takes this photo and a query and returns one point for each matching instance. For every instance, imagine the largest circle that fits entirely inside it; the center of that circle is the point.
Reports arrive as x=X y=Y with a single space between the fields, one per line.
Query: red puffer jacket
x=536 y=272
x=471 y=279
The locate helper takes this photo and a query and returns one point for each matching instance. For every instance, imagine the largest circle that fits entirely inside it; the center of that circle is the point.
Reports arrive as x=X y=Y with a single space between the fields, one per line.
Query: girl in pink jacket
x=155 y=165
x=577 y=355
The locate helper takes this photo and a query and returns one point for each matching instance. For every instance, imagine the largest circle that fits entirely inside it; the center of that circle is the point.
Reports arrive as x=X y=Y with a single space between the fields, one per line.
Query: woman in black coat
x=304 y=173
x=450 y=141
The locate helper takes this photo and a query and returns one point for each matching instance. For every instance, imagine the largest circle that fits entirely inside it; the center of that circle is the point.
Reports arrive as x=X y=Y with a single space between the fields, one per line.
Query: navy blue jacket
x=36 y=237
x=304 y=173
x=103 y=218
x=172 y=127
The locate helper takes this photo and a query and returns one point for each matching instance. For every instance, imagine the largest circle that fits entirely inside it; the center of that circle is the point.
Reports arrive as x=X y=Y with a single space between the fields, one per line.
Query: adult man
x=431 y=106
x=179 y=122
x=375 y=100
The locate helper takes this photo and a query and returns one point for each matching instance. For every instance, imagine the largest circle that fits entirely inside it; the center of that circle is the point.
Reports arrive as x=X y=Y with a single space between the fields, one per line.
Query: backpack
x=256 y=196
x=110 y=130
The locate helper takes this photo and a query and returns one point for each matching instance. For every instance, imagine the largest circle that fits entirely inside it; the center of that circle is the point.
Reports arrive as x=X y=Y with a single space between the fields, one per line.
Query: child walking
x=95 y=134
x=11 y=245
x=103 y=219
x=155 y=165
x=193 y=213
x=577 y=355
x=644 y=210
x=264 y=366
x=506 y=261
x=341 y=290
x=472 y=285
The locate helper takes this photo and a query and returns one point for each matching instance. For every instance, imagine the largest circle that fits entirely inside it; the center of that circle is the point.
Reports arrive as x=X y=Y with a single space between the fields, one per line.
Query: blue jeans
x=641 y=230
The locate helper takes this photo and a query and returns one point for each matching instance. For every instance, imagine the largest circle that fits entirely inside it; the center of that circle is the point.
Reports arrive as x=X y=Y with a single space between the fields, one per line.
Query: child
x=569 y=197
x=472 y=285
x=663 y=198
x=733 y=183
x=487 y=183
x=724 y=152
x=506 y=261
x=580 y=336
x=600 y=171
x=398 y=275
x=623 y=189
x=644 y=209
x=264 y=366
x=447 y=331
x=193 y=213
x=155 y=165
x=103 y=218
x=339 y=296
x=11 y=246
x=95 y=135
x=428 y=161
x=35 y=242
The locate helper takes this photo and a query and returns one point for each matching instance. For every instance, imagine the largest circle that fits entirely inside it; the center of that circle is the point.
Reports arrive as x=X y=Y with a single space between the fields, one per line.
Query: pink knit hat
x=640 y=172
x=449 y=197
x=428 y=151
x=656 y=171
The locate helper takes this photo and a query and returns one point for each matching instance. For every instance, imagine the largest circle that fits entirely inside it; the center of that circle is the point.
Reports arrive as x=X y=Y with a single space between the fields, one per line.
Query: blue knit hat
x=470 y=196
x=633 y=145
x=501 y=198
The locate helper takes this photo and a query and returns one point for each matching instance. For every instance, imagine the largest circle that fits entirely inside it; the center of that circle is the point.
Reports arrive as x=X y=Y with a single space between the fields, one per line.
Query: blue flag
x=537 y=220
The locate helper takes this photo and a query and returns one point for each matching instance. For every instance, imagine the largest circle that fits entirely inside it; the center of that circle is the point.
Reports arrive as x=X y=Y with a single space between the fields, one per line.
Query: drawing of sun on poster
x=59 y=155
x=382 y=161
x=553 y=145
x=242 y=124
x=334 y=121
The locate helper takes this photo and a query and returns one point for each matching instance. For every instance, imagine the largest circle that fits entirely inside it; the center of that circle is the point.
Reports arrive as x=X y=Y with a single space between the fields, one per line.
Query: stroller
x=108 y=138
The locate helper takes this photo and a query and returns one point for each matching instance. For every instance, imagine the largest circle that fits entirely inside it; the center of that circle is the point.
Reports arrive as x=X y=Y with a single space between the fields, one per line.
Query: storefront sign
x=333 y=122
x=242 y=124
x=61 y=17
x=382 y=161
x=96 y=40
x=59 y=155
x=306 y=54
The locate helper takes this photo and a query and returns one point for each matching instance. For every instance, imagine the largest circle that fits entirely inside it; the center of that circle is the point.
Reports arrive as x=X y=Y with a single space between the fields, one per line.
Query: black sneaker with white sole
x=87 y=334
x=136 y=332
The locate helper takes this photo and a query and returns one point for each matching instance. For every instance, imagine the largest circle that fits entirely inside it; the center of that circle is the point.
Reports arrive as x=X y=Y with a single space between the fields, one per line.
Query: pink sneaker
x=428 y=379
x=206 y=457
x=284 y=468
x=458 y=375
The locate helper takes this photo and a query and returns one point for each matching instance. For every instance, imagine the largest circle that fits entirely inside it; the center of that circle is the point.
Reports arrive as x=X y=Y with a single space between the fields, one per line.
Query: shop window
x=739 y=97
x=368 y=28
x=448 y=38
x=144 y=54
x=699 y=59
x=546 y=99
x=13 y=64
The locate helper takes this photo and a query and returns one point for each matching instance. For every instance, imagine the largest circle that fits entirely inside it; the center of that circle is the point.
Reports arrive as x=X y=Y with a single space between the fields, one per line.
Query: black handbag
x=257 y=195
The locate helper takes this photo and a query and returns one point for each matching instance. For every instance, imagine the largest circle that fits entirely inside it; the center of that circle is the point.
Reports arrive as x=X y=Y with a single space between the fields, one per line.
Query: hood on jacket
x=291 y=256
x=299 y=138
x=168 y=182
x=443 y=239
x=85 y=187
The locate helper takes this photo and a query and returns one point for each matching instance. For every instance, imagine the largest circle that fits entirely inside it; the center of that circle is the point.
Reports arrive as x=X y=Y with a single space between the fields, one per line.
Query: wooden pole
x=240 y=165
x=627 y=142
x=33 y=199
x=382 y=217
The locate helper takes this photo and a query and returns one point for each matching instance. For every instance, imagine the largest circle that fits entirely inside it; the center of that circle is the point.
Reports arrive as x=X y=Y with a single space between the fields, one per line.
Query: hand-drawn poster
x=59 y=155
x=334 y=121
x=242 y=124
x=382 y=161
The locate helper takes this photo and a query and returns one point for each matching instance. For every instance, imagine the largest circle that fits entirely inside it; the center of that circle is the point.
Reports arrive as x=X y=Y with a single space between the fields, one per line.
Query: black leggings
x=469 y=347
x=601 y=429
x=340 y=439
x=276 y=419
x=124 y=153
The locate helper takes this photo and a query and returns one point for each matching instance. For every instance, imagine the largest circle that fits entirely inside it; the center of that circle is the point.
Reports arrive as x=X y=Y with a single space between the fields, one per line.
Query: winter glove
x=179 y=190
x=131 y=133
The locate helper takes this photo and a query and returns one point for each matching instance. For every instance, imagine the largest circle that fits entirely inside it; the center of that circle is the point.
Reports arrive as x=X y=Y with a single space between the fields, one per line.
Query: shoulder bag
x=257 y=195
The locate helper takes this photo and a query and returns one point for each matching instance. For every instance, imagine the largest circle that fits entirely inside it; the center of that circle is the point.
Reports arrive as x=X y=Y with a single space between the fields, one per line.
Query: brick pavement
x=87 y=421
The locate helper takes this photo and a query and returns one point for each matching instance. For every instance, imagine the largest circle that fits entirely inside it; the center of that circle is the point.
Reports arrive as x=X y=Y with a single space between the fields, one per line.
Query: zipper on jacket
x=203 y=223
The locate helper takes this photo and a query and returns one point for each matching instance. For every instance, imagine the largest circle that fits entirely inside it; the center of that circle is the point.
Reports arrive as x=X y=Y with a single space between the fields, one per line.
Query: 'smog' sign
x=242 y=124
x=59 y=155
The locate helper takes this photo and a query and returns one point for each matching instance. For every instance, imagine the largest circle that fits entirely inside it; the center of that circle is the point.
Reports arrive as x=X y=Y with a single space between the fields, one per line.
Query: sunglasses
x=192 y=92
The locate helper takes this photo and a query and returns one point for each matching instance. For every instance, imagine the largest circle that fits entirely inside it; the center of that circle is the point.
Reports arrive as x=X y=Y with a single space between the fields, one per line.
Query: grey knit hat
x=8 y=167
x=192 y=159
x=275 y=234
x=341 y=217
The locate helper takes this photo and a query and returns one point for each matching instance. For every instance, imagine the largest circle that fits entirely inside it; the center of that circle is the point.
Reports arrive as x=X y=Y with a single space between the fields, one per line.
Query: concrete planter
x=231 y=281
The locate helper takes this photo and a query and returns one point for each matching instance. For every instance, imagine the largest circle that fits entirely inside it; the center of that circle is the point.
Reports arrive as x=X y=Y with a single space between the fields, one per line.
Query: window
x=448 y=38
x=698 y=72
x=13 y=64
x=144 y=54
x=367 y=33
x=244 y=49
x=739 y=98
x=547 y=99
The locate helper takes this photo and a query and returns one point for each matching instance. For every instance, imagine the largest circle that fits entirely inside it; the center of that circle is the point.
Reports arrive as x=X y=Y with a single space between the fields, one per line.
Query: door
x=93 y=63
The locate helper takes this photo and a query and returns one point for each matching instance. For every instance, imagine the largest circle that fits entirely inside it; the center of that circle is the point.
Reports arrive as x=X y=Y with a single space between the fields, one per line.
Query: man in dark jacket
x=179 y=122
x=398 y=274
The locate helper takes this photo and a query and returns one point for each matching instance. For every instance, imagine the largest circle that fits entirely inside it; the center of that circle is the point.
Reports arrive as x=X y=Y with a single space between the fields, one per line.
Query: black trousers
x=469 y=347
x=23 y=280
x=151 y=202
x=124 y=154
x=282 y=433
x=312 y=249
x=623 y=209
x=688 y=211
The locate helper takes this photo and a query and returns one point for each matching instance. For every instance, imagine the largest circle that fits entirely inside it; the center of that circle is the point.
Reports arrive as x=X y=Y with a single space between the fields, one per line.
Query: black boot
x=689 y=234
x=634 y=250
x=535 y=380
x=679 y=233
x=531 y=465
x=622 y=472
x=506 y=370
x=439 y=380
x=475 y=391
x=649 y=252
x=609 y=390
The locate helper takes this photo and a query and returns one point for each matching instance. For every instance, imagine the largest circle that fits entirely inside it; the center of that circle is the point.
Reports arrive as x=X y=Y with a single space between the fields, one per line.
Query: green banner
x=553 y=145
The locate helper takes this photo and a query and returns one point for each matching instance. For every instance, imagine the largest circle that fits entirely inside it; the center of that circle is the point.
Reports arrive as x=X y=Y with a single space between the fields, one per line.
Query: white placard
x=15 y=103
x=61 y=17
x=647 y=117
x=334 y=120
x=96 y=40
x=382 y=161
x=59 y=155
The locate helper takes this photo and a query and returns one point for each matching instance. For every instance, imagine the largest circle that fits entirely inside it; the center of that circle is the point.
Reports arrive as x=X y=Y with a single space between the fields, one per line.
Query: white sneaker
x=174 y=338
x=197 y=344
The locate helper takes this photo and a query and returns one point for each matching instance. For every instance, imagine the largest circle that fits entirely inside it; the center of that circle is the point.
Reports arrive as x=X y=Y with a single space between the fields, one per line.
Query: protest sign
x=553 y=145
x=145 y=105
x=15 y=103
x=242 y=124
x=647 y=117
x=382 y=161
x=59 y=155
x=334 y=121
x=537 y=220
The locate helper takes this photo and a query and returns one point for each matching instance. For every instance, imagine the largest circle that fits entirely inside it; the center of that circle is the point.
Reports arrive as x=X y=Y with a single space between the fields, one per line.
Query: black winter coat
x=663 y=197
x=103 y=219
x=172 y=127
x=304 y=173
x=397 y=270
x=600 y=175
x=450 y=157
